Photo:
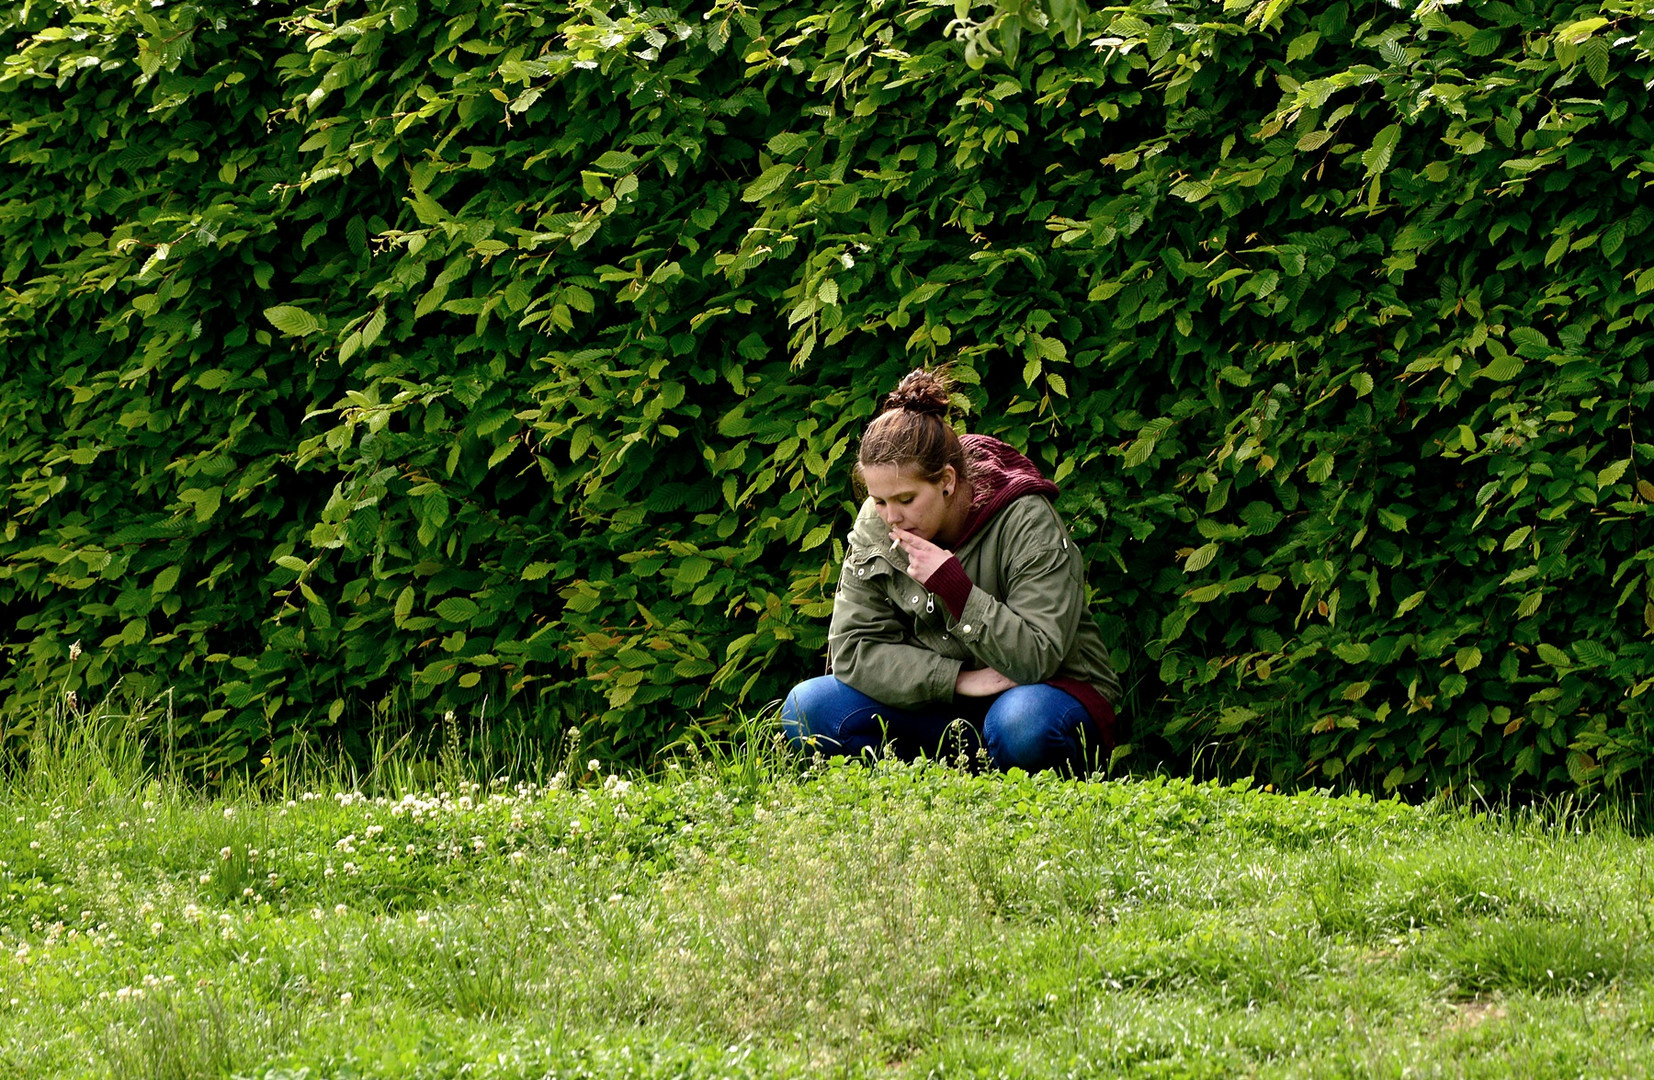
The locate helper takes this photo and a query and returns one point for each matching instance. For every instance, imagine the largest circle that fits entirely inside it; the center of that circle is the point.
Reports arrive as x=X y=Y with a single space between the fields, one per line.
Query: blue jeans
x=1028 y=727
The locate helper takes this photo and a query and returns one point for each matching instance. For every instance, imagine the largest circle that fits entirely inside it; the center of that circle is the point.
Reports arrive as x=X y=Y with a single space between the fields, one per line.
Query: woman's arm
x=1026 y=633
x=869 y=650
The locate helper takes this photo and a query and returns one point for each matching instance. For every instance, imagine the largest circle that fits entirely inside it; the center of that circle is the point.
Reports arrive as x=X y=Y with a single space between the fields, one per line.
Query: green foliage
x=489 y=356
x=1000 y=34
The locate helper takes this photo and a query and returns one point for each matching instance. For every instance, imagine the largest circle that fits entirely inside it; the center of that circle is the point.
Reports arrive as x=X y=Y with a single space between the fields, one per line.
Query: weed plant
x=742 y=913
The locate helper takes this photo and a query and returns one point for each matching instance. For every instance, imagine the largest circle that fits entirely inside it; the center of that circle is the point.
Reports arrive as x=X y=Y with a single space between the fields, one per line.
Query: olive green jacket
x=1026 y=616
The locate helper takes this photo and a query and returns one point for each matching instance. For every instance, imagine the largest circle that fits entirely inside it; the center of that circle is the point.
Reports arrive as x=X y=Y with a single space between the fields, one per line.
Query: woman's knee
x=1033 y=728
x=813 y=708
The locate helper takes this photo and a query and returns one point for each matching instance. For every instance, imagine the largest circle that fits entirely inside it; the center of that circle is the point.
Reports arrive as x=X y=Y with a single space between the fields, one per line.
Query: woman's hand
x=923 y=557
x=981 y=682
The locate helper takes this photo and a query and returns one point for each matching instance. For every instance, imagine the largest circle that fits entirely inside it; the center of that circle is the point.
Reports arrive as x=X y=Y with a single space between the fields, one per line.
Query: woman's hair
x=912 y=430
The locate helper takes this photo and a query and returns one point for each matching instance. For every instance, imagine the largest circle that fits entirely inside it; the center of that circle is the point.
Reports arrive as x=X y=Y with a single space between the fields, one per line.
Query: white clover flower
x=345 y=998
x=205 y=879
x=229 y=812
x=340 y=909
x=225 y=853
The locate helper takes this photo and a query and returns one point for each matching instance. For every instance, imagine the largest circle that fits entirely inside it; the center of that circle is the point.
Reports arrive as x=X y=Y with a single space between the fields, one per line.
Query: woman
x=962 y=597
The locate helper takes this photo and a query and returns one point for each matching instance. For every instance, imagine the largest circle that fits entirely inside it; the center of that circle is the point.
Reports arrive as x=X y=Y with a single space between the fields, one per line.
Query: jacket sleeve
x=1026 y=634
x=871 y=650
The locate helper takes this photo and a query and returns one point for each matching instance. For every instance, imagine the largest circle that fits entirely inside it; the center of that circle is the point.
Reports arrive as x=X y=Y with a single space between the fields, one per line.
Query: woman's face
x=905 y=500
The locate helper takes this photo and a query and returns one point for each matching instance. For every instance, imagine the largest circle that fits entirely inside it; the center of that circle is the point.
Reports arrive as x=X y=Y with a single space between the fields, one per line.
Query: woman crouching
x=963 y=597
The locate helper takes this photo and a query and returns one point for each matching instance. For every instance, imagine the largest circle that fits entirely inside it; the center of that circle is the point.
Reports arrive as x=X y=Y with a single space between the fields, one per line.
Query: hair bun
x=923 y=392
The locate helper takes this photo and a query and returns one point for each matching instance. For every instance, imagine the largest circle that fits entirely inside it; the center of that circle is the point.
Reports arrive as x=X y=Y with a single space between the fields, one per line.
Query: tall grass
x=743 y=912
x=90 y=751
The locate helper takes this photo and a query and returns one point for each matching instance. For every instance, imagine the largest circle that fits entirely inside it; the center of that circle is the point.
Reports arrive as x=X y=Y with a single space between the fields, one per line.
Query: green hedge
x=507 y=359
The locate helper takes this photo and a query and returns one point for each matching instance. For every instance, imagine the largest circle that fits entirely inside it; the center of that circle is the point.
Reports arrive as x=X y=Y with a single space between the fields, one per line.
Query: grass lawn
x=736 y=918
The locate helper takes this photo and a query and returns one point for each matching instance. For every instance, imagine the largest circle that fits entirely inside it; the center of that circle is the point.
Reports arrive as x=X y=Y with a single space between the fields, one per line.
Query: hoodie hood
x=1000 y=475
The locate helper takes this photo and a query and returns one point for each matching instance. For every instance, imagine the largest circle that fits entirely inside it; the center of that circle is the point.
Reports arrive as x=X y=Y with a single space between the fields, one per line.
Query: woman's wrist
x=952 y=584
